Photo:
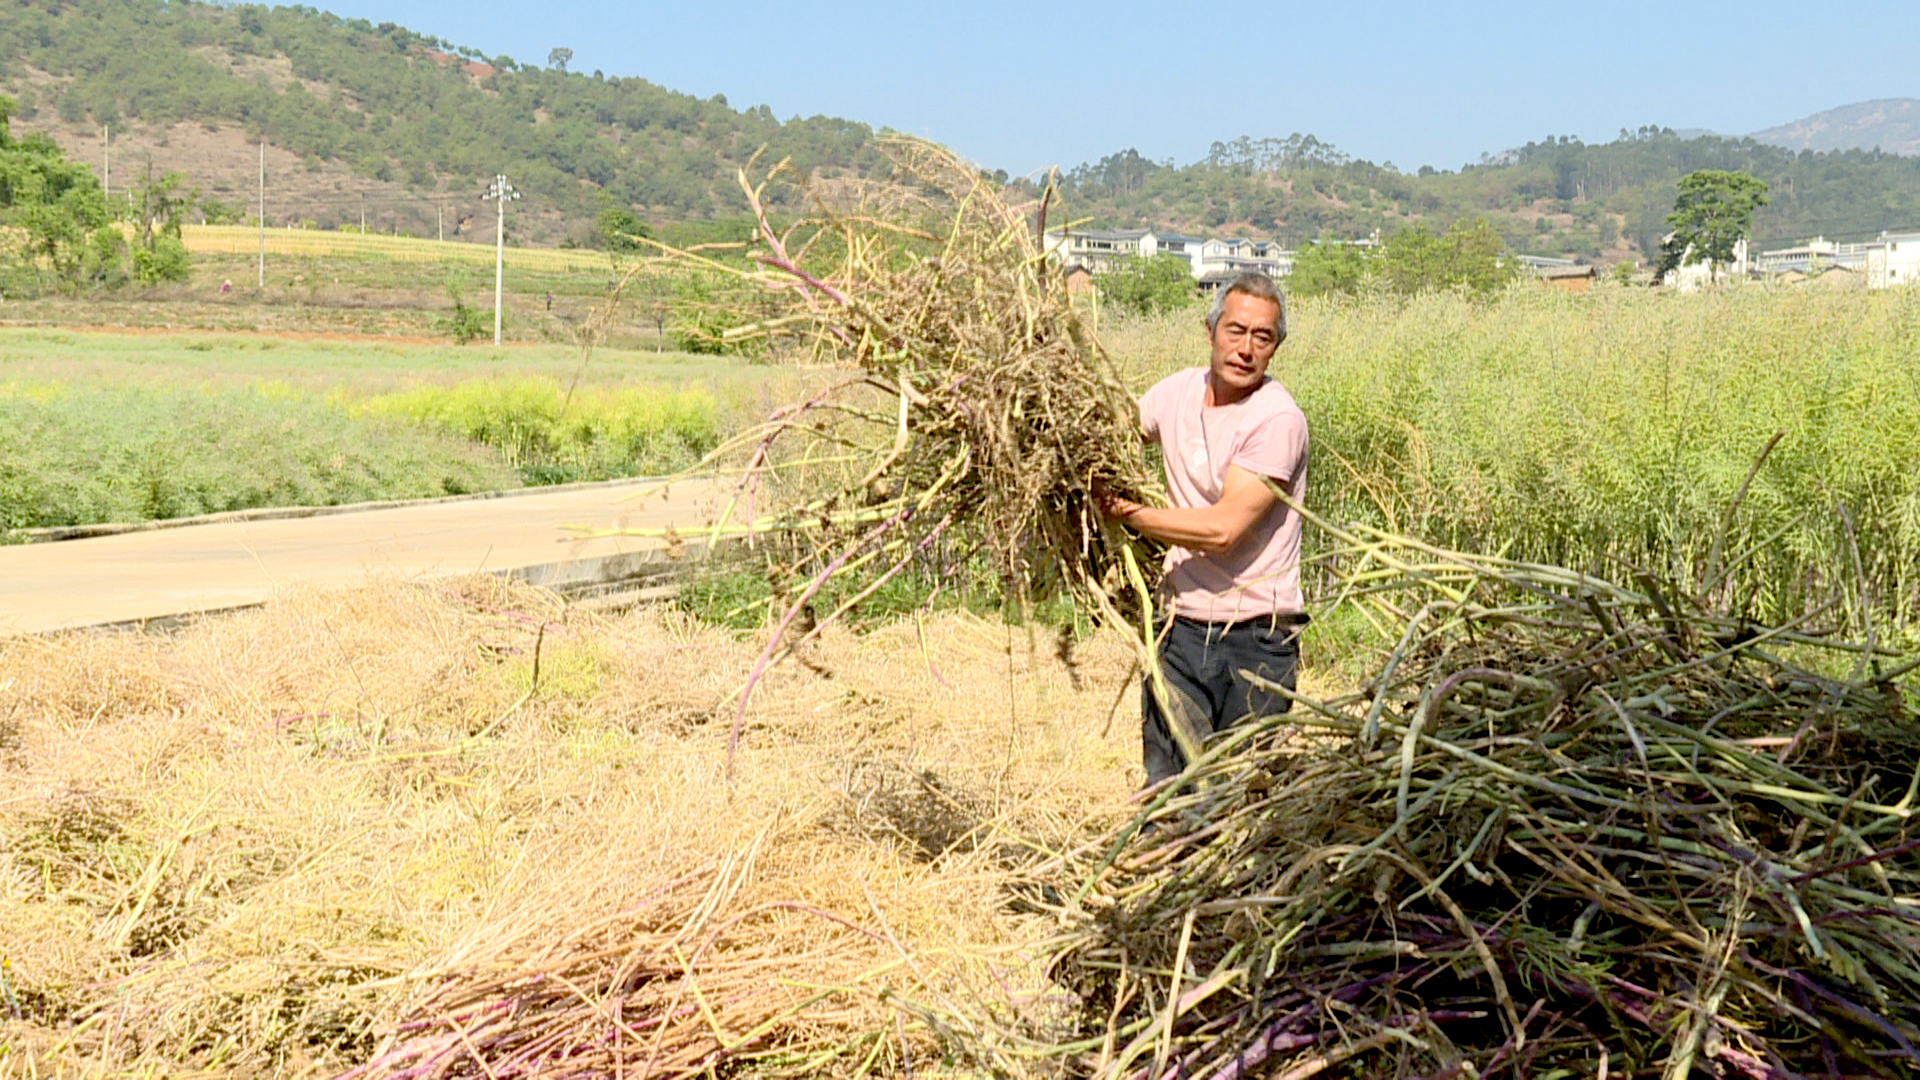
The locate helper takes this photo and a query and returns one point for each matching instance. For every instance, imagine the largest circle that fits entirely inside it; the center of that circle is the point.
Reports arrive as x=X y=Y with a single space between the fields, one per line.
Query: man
x=1233 y=572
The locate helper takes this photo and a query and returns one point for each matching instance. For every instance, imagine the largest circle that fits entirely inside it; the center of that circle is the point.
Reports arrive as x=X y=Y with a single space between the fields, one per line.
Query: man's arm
x=1217 y=529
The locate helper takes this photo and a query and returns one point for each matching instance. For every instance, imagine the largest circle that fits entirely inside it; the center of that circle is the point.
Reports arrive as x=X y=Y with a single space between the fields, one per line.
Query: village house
x=1100 y=250
x=1892 y=259
x=1566 y=275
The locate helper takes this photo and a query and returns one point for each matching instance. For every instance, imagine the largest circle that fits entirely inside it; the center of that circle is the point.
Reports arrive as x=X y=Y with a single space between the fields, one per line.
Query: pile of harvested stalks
x=979 y=413
x=1570 y=829
x=685 y=983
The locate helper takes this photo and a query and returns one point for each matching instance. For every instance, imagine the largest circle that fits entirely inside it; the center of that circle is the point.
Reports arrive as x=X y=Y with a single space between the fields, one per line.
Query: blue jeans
x=1202 y=664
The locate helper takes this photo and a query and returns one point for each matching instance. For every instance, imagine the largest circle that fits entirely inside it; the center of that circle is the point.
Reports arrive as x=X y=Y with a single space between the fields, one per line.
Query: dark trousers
x=1202 y=664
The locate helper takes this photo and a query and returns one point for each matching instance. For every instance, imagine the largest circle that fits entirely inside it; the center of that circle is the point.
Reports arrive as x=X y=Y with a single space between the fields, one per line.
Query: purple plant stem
x=1887 y=853
x=793 y=612
x=785 y=416
x=1747 y=1065
x=1265 y=1045
x=476 y=1011
x=1856 y=1011
x=906 y=560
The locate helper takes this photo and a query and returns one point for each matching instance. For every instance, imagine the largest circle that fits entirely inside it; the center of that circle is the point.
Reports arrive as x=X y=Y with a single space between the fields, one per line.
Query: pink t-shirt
x=1264 y=433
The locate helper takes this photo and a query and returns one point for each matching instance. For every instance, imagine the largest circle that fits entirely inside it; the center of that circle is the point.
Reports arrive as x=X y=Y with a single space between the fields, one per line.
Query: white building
x=1812 y=257
x=1224 y=258
x=1100 y=250
x=1688 y=277
x=1893 y=259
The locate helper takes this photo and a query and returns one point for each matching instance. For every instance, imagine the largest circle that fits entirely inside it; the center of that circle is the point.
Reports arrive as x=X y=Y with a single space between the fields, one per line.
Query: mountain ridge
x=1890 y=125
x=380 y=127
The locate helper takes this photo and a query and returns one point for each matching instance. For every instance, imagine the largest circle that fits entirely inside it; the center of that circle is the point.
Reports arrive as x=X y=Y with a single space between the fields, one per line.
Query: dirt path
x=147 y=575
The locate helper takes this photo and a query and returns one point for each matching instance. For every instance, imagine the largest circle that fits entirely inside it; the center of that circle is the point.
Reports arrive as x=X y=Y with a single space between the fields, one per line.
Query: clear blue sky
x=1027 y=85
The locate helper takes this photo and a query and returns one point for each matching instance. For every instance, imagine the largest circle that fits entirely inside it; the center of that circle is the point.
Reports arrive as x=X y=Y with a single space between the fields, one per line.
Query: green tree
x=1147 y=286
x=55 y=204
x=217 y=212
x=620 y=230
x=159 y=203
x=1324 y=267
x=705 y=307
x=1712 y=214
x=1466 y=256
x=463 y=323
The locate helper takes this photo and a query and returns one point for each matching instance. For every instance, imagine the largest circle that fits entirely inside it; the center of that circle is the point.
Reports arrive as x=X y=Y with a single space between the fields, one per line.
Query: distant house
x=1100 y=250
x=1688 y=277
x=1238 y=255
x=1563 y=274
x=1810 y=258
x=1573 y=279
x=1078 y=279
x=1893 y=259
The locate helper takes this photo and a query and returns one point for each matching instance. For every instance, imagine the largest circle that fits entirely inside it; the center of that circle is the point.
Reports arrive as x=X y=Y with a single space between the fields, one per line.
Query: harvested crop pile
x=978 y=413
x=1569 y=829
x=356 y=830
x=689 y=979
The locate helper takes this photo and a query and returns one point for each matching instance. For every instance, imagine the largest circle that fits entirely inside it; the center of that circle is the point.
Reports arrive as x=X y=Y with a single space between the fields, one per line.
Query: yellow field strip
x=245 y=240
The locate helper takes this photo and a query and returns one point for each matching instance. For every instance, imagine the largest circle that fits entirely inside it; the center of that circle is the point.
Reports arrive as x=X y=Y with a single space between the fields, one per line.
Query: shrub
x=166 y=260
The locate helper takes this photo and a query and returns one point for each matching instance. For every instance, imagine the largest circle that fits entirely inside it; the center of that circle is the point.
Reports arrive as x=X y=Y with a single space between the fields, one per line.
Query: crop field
x=99 y=427
x=347 y=284
x=1626 y=429
x=242 y=240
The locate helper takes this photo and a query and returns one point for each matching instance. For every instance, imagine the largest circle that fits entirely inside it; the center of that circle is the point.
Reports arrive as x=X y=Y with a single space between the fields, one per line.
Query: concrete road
x=209 y=567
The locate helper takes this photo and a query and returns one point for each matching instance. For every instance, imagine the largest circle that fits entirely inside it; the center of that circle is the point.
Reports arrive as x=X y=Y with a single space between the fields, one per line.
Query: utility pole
x=106 y=166
x=263 y=213
x=501 y=192
x=440 y=219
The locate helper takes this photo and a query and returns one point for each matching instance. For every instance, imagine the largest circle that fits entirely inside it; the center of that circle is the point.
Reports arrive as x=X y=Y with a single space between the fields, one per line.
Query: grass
x=85 y=455
x=550 y=436
x=1615 y=430
x=127 y=427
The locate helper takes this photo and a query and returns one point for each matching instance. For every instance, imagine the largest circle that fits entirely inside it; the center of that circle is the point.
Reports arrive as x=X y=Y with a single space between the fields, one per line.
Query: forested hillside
x=1555 y=197
x=391 y=111
x=402 y=131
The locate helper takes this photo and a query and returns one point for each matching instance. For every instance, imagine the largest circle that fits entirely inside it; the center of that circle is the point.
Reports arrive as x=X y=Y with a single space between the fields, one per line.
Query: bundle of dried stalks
x=1570 y=828
x=983 y=412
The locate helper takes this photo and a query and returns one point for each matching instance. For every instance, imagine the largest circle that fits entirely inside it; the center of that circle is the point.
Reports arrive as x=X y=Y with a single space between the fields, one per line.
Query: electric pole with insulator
x=502 y=193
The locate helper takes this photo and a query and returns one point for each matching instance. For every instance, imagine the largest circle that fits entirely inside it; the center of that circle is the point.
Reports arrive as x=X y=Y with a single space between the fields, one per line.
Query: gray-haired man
x=1233 y=571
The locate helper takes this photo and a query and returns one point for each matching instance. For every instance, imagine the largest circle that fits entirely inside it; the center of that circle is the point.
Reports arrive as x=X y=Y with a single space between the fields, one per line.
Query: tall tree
x=1153 y=284
x=1324 y=267
x=55 y=204
x=1713 y=213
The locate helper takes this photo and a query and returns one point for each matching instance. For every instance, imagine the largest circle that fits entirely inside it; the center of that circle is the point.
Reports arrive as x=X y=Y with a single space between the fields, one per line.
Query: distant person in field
x=1232 y=586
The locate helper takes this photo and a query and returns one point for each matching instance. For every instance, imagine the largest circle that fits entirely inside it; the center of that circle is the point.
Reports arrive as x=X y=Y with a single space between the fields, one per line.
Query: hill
x=1890 y=124
x=376 y=122
x=382 y=126
x=1559 y=196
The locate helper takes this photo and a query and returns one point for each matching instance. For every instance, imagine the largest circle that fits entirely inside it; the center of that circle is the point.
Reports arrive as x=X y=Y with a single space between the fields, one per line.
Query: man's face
x=1243 y=341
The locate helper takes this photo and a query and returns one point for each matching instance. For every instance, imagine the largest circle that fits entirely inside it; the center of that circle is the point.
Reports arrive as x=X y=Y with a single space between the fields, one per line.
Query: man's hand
x=1111 y=506
x=1244 y=500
